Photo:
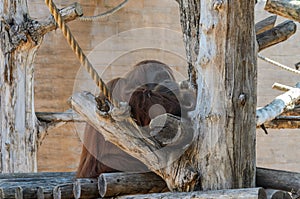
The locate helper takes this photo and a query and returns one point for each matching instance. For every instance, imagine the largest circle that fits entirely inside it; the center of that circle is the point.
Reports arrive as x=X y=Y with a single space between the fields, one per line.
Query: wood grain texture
x=265 y=24
x=226 y=68
x=86 y=188
x=254 y=193
x=32 y=185
x=276 y=35
x=117 y=184
x=277 y=179
x=285 y=8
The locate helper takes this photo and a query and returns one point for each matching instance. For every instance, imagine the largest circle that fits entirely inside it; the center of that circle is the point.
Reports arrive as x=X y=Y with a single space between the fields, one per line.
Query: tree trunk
x=190 y=17
x=20 y=39
x=18 y=136
x=224 y=120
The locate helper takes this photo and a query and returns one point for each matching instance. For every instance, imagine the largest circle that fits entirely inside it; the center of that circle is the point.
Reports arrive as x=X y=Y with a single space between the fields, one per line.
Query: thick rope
x=279 y=64
x=82 y=57
x=105 y=14
x=77 y=50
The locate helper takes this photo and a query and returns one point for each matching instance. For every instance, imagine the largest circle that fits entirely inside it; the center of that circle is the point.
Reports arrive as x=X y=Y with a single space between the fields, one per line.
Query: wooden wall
x=143 y=29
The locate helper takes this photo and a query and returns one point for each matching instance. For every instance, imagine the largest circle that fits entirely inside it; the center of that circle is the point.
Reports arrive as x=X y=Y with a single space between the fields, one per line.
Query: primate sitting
x=149 y=83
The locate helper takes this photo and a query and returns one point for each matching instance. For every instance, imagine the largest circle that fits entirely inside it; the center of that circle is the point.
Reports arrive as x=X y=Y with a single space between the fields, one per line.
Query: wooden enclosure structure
x=73 y=187
x=60 y=185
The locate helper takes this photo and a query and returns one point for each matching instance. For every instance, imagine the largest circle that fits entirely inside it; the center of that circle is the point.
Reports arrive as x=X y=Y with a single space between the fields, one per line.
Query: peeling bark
x=18 y=122
x=224 y=154
x=20 y=38
x=189 y=18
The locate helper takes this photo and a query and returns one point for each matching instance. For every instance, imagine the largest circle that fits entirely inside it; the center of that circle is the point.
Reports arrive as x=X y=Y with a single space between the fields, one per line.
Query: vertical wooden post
x=18 y=132
x=224 y=151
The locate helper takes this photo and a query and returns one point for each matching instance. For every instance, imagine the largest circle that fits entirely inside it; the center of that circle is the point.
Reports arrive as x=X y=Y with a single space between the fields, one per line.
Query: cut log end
x=277 y=194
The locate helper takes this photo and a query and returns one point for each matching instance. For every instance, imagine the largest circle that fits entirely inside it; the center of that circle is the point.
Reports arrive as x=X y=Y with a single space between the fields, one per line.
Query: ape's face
x=151 y=90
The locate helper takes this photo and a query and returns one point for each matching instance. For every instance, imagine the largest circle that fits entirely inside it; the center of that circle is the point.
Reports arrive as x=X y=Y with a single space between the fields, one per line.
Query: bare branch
x=277 y=106
x=68 y=116
x=68 y=13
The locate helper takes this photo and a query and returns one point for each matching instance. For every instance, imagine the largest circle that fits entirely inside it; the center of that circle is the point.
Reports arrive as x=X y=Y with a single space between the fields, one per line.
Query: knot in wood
x=242 y=99
x=218 y=5
x=204 y=60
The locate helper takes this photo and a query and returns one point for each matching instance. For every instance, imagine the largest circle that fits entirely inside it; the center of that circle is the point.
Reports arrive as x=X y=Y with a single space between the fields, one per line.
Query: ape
x=149 y=83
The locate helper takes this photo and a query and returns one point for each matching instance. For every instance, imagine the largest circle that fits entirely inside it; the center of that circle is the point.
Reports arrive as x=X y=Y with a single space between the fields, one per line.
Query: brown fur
x=149 y=83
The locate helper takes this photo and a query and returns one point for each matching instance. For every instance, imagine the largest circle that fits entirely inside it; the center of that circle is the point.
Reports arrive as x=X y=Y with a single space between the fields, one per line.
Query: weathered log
x=9 y=193
x=134 y=140
x=116 y=184
x=277 y=194
x=85 y=188
x=265 y=24
x=250 y=193
x=36 y=175
x=30 y=183
x=285 y=8
x=277 y=106
x=276 y=35
x=64 y=191
x=34 y=181
x=276 y=179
